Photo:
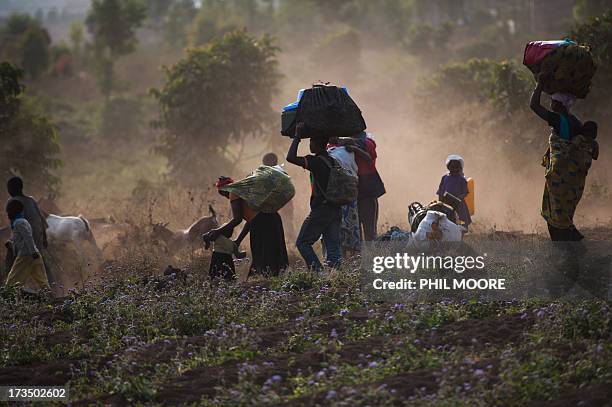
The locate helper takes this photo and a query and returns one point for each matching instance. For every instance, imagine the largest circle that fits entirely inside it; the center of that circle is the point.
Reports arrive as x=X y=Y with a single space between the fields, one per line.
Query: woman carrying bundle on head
x=571 y=149
x=267 y=238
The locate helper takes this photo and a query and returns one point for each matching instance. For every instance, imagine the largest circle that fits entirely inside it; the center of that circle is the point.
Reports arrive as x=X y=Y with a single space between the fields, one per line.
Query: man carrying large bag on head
x=332 y=187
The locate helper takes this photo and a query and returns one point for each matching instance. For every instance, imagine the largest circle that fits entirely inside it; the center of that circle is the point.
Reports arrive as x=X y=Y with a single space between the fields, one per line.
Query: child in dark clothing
x=589 y=130
x=222 y=260
x=224 y=249
x=455 y=184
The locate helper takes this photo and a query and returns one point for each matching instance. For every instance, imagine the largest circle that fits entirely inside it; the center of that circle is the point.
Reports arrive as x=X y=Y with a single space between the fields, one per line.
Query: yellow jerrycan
x=469 y=198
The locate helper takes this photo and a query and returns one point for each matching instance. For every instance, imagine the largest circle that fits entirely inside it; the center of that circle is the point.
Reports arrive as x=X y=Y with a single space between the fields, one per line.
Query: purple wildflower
x=331 y=394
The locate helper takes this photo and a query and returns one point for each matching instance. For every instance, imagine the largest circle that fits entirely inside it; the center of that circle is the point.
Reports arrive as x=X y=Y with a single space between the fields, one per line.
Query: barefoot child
x=28 y=270
x=455 y=184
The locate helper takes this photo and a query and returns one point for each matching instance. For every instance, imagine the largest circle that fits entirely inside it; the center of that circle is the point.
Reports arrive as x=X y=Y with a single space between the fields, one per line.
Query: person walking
x=324 y=219
x=350 y=234
x=567 y=164
x=28 y=270
x=371 y=186
x=36 y=219
x=287 y=211
x=267 y=238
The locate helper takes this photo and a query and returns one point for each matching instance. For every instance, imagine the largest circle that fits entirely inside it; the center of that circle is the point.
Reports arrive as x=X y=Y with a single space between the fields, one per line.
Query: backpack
x=342 y=186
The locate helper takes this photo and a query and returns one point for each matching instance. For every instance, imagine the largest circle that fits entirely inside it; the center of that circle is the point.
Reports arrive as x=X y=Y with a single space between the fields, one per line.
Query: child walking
x=454 y=183
x=28 y=270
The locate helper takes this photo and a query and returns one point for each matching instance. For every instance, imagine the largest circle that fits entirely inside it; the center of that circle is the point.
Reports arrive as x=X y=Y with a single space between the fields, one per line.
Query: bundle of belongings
x=394 y=234
x=434 y=222
x=325 y=110
x=436 y=226
x=561 y=66
x=267 y=189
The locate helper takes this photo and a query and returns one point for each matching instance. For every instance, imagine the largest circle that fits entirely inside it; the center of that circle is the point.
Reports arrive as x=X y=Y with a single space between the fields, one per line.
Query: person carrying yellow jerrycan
x=28 y=270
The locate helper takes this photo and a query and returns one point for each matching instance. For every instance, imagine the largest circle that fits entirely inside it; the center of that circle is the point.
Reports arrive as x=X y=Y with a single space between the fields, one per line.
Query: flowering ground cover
x=300 y=339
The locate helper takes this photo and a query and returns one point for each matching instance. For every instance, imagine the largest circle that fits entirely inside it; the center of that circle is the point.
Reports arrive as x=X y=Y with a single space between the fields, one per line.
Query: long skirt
x=350 y=235
x=28 y=273
x=567 y=166
x=268 y=247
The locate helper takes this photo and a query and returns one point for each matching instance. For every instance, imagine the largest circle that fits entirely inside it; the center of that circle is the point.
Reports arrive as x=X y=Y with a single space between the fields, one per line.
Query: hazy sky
x=31 y=6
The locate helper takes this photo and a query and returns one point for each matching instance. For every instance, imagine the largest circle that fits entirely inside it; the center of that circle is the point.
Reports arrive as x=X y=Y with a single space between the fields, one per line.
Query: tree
x=383 y=19
x=17 y=24
x=212 y=99
x=53 y=15
x=63 y=60
x=341 y=52
x=11 y=88
x=597 y=34
x=28 y=139
x=429 y=42
x=35 y=51
x=121 y=118
x=585 y=9
x=390 y=17
x=23 y=41
x=502 y=83
x=113 y=24
x=157 y=9
x=501 y=86
x=180 y=15
x=213 y=20
x=76 y=38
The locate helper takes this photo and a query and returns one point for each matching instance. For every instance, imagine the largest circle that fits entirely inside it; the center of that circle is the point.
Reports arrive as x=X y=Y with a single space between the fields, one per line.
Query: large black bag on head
x=326 y=111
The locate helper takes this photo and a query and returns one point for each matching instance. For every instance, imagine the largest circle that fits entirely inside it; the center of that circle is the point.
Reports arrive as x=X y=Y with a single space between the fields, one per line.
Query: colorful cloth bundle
x=562 y=66
x=267 y=189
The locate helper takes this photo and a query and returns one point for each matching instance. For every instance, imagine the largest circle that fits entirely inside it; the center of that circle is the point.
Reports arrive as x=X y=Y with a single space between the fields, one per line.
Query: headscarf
x=454 y=157
x=565 y=99
x=223 y=181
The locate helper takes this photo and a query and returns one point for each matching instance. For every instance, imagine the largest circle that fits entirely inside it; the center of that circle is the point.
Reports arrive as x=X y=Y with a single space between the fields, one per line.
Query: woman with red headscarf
x=268 y=249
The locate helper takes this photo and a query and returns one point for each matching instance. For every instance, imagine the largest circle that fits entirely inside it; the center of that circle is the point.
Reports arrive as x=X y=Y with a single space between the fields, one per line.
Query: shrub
x=28 y=138
x=215 y=96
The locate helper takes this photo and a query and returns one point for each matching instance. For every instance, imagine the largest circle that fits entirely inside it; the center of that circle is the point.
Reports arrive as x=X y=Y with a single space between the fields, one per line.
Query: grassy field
x=300 y=339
